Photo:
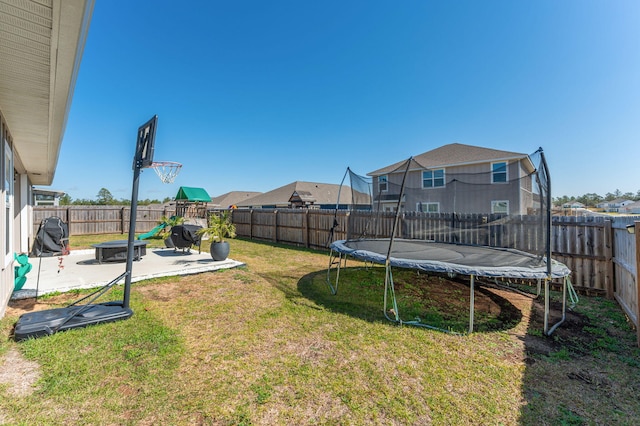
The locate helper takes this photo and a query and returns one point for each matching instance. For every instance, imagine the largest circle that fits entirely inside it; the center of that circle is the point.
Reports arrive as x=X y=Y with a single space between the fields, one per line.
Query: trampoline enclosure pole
x=398 y=208
x=388 y=280
x=548 y=213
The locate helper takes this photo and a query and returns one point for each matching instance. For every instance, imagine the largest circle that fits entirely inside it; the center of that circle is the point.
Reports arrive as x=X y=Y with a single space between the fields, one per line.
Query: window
x=45 y=200
x=499 y=172
x=433 y=178
x=428 y=207
x=382 y=183
x=500 y=206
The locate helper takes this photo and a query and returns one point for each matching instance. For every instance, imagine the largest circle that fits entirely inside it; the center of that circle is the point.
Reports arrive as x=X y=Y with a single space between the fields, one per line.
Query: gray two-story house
x=458 y=178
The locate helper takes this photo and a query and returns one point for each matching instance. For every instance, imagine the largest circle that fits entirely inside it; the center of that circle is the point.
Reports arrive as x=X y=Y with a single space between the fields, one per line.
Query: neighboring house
x=459 y=178
x=633 y=208
x=233 y=198
x=46 y=197
x=614 y=206
x=573 y=205
x=299 y=195
x=573 y=208
x=42 y=44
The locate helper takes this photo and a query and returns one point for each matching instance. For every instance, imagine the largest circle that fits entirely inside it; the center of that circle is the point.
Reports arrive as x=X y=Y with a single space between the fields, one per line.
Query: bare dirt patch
x=451 y=297
x=20 y=374
x=22 y=306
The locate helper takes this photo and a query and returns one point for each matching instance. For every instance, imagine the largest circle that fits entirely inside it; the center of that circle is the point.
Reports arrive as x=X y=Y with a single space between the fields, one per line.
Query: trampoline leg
x=389 y=290
x=471 y=303
x=564 y=309
x=332 y=262
x=546 y=306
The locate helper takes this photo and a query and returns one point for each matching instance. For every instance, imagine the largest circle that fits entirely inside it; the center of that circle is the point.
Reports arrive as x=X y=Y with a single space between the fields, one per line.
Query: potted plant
x=168 y=223
x=219 y=227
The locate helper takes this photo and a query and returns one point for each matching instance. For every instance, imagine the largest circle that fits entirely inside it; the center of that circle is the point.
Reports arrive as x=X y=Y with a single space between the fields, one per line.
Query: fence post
x=608 y=247
x=637 y=235
x=251 y=224
x=305 y=228
x=275 y=226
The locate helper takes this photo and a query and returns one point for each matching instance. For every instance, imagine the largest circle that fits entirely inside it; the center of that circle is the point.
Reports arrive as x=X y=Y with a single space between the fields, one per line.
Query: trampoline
x=431 y=256
x=490 y=246
x=438 y=257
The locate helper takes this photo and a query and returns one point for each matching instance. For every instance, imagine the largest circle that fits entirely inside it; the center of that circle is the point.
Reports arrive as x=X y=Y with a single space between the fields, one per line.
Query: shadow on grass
x=439 y=301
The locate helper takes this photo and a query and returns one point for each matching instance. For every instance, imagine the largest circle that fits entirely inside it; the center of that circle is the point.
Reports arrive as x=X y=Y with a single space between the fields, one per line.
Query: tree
x=104 y=197
x=65 y=200
x=590 y=200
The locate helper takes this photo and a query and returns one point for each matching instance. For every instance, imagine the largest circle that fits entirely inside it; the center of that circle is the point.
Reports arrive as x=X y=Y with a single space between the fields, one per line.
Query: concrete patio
x=80 y=269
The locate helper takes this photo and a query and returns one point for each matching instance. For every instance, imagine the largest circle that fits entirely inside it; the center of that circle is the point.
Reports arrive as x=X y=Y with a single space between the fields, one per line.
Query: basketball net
x=166 y=170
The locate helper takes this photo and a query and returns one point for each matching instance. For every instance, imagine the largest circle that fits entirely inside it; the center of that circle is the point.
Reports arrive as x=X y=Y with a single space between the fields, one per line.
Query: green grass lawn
x=268 y=344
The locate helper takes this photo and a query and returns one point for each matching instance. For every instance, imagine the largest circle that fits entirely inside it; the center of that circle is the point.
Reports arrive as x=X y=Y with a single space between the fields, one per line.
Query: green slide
x=153 y=232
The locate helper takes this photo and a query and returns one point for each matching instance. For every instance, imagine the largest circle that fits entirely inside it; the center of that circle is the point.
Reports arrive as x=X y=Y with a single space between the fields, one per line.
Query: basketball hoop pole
x=47 y=322
x=132 y=232
x=142 y=158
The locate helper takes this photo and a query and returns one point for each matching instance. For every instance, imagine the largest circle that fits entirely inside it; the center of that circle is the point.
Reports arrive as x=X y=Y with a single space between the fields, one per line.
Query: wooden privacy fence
x=599 y=251
x=584 y=244
x=83 y=220
x=301 y=227
x=625 y=267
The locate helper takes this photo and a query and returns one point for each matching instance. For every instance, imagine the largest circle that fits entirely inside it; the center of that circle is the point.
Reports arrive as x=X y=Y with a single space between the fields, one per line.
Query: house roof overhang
x=41 y=45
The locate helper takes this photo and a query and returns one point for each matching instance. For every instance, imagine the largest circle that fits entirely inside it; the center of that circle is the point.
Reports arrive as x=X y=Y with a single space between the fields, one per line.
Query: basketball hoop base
x=166 y=170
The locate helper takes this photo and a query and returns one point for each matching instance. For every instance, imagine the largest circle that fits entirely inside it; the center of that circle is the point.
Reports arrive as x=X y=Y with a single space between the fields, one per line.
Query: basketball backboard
x=145 y=144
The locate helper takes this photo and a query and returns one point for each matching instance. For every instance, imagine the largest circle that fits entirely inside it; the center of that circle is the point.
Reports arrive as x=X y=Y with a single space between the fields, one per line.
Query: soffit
x=41 y=43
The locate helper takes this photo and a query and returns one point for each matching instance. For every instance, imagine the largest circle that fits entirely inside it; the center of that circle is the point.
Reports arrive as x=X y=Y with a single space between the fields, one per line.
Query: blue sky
x=253 y=95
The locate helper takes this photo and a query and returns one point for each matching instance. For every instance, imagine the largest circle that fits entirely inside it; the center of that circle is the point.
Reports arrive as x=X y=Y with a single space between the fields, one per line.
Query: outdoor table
x=116 y=251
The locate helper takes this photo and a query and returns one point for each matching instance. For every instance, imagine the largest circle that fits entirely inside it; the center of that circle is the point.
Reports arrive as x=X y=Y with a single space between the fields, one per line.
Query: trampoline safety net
x=507 y=206
x=497 y=205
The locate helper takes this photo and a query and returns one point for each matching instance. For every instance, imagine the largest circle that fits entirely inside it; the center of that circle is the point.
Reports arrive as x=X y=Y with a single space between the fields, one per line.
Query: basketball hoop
x=166 y=170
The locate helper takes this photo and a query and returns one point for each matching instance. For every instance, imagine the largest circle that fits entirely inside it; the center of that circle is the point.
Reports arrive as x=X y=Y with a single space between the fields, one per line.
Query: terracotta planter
x=219 y=250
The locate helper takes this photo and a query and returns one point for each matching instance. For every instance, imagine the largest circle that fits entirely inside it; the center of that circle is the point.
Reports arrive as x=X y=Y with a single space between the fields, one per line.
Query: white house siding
x=7 y=222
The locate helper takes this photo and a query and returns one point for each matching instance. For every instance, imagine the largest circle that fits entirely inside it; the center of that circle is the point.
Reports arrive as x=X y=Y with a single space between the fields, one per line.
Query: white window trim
x=419 y=207
x=444 y=178
x=494 y=204
x=506 y=172
x=386 y=183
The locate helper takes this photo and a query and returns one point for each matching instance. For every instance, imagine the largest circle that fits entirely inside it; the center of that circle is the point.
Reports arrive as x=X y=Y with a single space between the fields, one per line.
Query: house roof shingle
x=450 y=155
x=233 y=198
x=322 y=193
